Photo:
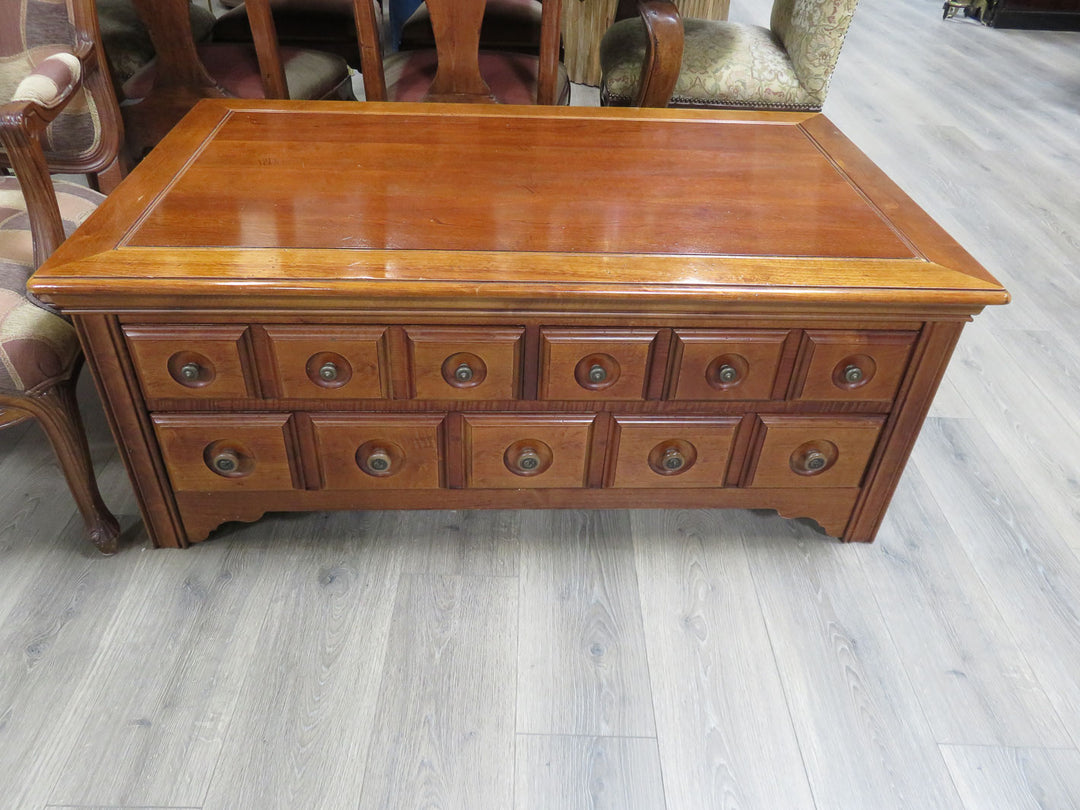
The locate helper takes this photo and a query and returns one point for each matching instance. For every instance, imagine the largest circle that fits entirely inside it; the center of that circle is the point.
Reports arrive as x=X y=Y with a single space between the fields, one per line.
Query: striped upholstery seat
x=37 y=347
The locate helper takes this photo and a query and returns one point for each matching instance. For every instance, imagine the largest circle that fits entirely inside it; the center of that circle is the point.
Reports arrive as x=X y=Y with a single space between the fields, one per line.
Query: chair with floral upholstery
x=39 y=351
x=658 y=59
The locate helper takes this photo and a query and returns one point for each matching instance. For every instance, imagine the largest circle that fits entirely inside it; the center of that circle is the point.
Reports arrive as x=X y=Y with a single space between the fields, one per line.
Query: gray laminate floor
x=688 y=660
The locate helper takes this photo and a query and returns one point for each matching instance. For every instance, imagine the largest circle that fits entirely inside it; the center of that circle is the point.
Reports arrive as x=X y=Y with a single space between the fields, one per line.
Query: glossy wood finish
x=600 y=345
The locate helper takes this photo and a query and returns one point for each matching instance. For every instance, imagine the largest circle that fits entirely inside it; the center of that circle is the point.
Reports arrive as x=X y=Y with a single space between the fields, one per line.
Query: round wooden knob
x=226 y=461
x=528 y=460
x=463 y=373
x=673 y=459
x=379 y=461
x=853 y=374
x=190 y=371
x=815 y=461
x=328 y=371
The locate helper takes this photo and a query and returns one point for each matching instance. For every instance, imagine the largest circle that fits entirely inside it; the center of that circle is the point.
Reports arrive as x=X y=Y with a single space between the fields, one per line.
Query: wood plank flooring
x=625 y=660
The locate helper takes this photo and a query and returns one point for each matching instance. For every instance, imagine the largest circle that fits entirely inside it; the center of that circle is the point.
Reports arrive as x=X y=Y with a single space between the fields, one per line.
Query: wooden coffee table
x=304 y=306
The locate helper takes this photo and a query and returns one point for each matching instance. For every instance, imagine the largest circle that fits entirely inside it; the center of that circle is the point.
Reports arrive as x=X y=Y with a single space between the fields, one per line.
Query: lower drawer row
x=274 y=452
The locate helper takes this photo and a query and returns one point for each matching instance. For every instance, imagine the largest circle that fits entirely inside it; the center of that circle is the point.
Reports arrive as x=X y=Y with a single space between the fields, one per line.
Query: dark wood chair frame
x=456 y=26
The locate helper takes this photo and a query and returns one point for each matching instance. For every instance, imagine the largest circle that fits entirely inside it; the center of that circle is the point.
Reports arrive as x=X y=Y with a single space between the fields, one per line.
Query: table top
x=389 y=200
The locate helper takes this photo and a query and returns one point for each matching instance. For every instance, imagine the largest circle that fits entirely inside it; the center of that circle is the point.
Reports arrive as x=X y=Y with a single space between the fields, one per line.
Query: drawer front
x=595 y=364
x=524 y=451
x=712 y=364
x=192 y=362
x=223 y=452
x=329 y=362
x=397 y=451
x=666 y=452
x=465 y=363
x=856 y=365
x=811 y=451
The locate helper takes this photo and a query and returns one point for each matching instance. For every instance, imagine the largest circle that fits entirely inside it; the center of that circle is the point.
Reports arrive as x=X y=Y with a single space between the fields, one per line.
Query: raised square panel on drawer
x=192 y=362
x=466 y=363
x=713 y=364
x=329 y=362
x=811 y=451
x=216 y=452
x=855 y=365
x=526 y=451
x=664 y=452
x=378 y=451
x=595 y=364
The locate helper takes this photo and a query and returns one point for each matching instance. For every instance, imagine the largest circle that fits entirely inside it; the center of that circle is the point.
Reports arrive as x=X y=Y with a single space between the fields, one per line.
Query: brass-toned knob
x=528 y=460
x=379 y=461
x=673 y=459
x=815 y=461
x=853 y=374
x=727 y=373
x=190 y=371
x=328 y=371
x=226 y=461
x=597 y=373
x=463 y=373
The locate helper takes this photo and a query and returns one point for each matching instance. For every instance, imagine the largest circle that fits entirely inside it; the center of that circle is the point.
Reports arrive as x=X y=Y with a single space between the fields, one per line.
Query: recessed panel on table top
x=568 y=184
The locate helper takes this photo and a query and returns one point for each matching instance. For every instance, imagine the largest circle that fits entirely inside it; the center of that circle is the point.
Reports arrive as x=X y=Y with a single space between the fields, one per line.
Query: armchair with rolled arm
x=39 y=351
x=658 y=58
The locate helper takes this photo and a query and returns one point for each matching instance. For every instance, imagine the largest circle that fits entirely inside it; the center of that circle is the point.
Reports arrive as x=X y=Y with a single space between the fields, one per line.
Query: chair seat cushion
x=509 y=25
x=37 y=347
x=322 y=25
x=235 y=67
x=512 y=77
x=724 y=64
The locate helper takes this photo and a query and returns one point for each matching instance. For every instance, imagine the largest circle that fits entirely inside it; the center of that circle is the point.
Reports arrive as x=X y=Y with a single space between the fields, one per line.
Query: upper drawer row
x=473 y=363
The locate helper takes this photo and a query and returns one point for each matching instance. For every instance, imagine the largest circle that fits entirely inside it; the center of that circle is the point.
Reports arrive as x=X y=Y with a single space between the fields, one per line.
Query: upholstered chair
x=725 y=64
x=84 y=138
x=39 y=350
x=321 y=25
x=183 y=71
x=457 y=68
x=509 y=25
x=127 y=44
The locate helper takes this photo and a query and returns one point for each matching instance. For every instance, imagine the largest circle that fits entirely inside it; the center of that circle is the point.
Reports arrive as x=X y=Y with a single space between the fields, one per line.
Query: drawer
x=329 y=362
x=595 y=364
x=712 y=364
x=855 y=365
x=667 y=452
x=526 y=451
x=465 y=363
x=215 y=452
x=192 y=362
x=391 y=451
x=811 y=451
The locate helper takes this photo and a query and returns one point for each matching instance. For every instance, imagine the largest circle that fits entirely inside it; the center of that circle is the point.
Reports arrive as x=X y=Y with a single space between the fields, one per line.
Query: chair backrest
x=812 y=32
x=456 y=27
x=86 y=136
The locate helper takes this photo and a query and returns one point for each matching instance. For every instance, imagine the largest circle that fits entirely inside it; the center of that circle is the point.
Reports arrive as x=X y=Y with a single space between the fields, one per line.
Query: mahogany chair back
x=457 y=70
